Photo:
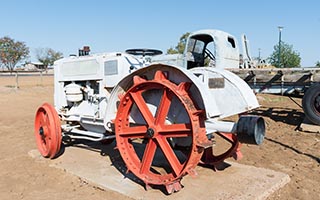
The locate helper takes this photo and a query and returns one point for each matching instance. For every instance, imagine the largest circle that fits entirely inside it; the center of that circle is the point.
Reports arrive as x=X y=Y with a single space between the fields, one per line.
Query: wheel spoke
x=164 y=107
x=176 y=130
x=170 y=155
x=142 y=106
x=47 y=142
x=47 y=122
x=177 y=134
x=47 y=135
x=148 y=156
x=42 y=119
x=133 y=132
x=45 y=126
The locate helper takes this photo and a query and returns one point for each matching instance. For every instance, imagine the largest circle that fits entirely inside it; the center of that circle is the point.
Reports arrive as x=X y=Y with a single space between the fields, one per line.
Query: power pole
x=279 y=55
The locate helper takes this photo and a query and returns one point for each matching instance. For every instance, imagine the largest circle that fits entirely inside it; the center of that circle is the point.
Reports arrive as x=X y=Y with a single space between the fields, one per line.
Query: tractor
x=165 y=119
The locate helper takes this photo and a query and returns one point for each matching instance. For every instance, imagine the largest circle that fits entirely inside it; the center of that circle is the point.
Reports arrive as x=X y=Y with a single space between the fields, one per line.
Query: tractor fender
x=231 y=94
x=198 y=91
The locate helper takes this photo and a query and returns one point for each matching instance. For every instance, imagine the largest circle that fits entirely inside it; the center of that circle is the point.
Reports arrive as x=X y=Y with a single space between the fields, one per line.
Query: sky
x=117 y=25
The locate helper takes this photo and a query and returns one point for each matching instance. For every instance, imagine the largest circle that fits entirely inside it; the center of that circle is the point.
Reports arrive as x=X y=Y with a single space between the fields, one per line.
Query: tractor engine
x=82 y=88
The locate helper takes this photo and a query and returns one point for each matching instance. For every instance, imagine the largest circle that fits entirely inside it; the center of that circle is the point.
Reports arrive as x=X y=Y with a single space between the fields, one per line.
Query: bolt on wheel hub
x=150 y=133
x=41 y=132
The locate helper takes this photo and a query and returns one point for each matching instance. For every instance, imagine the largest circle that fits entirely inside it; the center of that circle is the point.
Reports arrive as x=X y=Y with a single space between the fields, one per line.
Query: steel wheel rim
x=47 y=131
x=156 y=132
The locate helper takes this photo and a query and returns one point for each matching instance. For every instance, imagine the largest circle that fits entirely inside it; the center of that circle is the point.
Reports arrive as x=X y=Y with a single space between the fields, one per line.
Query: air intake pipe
x=250 y=129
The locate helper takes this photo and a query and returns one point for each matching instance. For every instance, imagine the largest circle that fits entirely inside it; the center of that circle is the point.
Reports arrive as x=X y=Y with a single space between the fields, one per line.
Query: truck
x=220 y=50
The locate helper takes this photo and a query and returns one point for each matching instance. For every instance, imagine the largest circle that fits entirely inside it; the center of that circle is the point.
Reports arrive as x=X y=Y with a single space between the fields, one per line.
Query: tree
x=47 y=56
x=288 y=57
x=180 y=46
x=318 y=64
x=12 y=52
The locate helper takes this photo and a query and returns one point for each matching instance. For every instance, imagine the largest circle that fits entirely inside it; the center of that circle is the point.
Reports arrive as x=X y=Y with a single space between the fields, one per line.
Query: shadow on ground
x=110 y=150
x=278 y=114
x=287 y=116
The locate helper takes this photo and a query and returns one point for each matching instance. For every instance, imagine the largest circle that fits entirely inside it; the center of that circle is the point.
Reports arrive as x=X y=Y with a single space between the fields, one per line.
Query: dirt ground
x=285 y=149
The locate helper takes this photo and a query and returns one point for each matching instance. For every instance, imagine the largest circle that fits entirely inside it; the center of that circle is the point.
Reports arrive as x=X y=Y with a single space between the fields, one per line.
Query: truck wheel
x=311 y=104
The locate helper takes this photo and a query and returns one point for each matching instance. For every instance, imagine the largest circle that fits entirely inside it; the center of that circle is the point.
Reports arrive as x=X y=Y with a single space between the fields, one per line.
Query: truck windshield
x=195 y=46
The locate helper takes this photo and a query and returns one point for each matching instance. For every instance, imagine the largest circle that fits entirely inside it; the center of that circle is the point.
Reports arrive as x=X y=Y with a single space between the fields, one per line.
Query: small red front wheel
x=47 y=130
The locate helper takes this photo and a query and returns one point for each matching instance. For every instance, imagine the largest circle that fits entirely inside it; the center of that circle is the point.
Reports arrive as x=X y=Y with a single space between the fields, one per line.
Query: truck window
x=195 y=53
x=210 y=54
x=198 y=48
x=190 y=45
x=231 y=42
x=195 y=46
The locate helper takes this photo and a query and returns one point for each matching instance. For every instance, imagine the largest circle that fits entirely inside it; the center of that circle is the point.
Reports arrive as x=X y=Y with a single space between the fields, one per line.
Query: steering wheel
x=144 y=52
x=209 y=54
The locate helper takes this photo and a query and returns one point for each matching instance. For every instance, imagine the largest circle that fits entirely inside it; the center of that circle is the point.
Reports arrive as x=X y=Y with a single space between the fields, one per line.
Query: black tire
x=311 y=104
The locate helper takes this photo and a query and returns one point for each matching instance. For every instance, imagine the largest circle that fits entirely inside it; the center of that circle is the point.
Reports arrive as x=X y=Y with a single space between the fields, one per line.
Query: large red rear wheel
x=154 y=119
x=47 y=131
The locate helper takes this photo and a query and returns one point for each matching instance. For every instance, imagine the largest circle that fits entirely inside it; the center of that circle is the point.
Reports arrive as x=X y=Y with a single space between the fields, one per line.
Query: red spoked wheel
x=233 y=151
x=154 y=118
x=47 y=131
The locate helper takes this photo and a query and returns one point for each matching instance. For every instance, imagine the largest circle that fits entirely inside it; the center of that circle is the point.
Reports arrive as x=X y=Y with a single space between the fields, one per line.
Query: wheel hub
x=41 y=132
x=150 y=133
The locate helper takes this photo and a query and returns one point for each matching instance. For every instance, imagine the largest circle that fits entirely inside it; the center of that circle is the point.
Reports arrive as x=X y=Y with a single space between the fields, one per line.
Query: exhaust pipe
x=251 y=129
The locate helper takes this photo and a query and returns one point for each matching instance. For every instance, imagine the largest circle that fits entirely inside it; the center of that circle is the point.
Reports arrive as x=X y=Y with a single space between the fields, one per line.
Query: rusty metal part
x=234 y=151
x=47 y=130
x=147 y=145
